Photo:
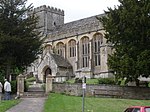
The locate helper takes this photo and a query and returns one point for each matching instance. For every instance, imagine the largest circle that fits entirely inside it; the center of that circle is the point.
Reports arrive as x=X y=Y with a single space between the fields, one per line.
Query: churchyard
x=63 y=103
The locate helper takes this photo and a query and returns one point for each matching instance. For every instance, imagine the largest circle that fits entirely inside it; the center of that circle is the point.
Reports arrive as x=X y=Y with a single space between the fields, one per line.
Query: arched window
x=97 y=42
x=72 y=48
x=85 y=51
x=60 y=49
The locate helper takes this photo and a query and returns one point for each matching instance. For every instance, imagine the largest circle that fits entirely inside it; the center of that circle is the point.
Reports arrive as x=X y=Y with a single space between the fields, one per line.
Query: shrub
x=26 y=86
x=106 y=81
x=13 y=86
x=2 y=77
x=77 y=80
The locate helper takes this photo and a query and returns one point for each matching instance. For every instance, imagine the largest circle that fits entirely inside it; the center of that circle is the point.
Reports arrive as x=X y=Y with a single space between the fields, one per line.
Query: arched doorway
x=47 y=71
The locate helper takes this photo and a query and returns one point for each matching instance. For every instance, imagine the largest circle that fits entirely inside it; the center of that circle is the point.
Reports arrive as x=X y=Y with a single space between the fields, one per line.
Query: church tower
x=49 y=18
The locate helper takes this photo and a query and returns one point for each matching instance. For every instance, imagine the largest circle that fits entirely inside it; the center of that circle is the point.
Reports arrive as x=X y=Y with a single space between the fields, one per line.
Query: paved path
x=29 y=105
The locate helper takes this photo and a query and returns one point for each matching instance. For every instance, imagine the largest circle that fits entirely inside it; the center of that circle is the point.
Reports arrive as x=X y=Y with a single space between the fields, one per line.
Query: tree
x=19 y=40
x=128 y=30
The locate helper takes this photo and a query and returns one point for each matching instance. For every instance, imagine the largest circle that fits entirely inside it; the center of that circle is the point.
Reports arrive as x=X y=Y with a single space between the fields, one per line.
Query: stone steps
x=34 y=94
x=34 y=91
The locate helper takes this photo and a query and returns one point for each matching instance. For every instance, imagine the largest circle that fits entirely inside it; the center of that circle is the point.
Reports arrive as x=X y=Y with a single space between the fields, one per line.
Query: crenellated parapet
x=49 y=17
x=49 y=9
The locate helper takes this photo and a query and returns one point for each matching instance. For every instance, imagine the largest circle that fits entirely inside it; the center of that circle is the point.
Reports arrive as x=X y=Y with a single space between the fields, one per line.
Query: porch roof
x=61 y=62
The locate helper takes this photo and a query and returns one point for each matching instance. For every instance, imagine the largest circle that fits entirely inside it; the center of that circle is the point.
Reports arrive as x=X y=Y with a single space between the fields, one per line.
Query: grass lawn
x=6 y=104
x=63 y=103
x=88 y=81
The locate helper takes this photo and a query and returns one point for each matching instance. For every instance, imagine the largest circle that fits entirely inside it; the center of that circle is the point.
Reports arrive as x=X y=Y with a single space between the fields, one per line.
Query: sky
x=77 y=9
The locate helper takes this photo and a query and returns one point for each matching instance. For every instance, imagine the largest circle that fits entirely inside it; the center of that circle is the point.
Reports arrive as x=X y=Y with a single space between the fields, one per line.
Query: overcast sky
x=77 y=9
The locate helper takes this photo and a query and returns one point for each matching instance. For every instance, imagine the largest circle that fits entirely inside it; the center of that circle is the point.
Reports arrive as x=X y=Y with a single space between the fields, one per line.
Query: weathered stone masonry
x=80 y=45
x=101 y=90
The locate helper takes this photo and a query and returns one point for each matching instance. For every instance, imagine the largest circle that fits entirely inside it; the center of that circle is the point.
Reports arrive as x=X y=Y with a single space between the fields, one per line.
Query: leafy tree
x=19 y=40
x=128 y=30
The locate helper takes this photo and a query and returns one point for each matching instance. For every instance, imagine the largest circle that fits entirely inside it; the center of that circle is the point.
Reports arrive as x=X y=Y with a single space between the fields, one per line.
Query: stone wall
x=49 y=18
x=104 y=91
x=71 y=89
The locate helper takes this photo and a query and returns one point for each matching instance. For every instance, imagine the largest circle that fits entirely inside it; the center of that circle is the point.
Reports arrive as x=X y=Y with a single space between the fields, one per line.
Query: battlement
x=49 y=9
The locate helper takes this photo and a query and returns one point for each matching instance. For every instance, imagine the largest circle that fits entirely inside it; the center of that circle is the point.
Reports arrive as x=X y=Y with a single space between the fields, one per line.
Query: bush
x=77 y=80
x=2 y=77
x=106 y=81
x=13 y=87
x=70 y=81
x=26 y=86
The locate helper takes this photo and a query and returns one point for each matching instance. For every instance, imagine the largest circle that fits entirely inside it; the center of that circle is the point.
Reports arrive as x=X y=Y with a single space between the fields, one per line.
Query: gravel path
x=29 y=105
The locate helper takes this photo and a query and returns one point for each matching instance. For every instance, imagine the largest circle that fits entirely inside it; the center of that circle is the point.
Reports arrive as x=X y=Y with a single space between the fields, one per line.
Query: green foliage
x=28 y=81
x=2 y=76
x=121 y=82
x=19 y=40
x=92 y=81
x=128 y=30
x=106 y=81
x=32 y=79
x=26 y=86
x=71 y=81
x=88 y=81
x=17 y=71
x=13 y=87
x=78 y=80
x=143 y=63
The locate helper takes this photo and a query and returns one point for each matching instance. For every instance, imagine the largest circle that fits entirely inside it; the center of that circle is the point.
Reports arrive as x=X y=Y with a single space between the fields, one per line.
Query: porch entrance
x=47 y=71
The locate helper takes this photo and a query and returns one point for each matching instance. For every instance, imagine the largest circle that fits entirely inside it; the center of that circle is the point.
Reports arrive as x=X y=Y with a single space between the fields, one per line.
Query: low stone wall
x=104 y=91
x=71 y=89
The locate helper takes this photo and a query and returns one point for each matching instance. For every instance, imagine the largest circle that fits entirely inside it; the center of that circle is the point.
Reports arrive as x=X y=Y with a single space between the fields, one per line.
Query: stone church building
x=73 y=49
